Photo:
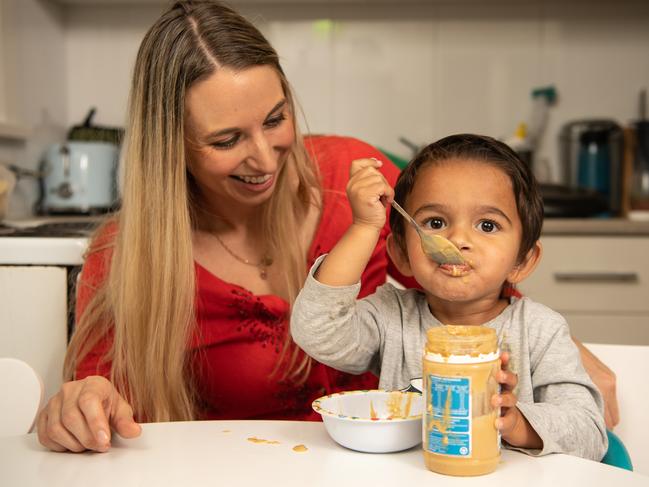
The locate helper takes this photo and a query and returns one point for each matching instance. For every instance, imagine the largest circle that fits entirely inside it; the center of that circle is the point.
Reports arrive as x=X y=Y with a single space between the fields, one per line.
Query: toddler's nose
x=459 y=238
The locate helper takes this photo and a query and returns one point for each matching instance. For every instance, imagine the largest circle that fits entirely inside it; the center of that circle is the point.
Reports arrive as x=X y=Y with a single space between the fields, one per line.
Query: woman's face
x=239 y=130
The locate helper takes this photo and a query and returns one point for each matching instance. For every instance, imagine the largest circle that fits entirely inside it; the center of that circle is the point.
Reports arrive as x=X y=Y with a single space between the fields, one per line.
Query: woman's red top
x=241 y=333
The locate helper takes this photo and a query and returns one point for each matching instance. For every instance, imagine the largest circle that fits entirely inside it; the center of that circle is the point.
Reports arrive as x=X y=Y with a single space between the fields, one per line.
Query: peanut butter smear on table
x=254 y=439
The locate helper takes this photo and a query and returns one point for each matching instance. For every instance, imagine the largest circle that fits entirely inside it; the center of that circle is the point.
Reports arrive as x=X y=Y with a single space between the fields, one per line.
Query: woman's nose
x=263 y=157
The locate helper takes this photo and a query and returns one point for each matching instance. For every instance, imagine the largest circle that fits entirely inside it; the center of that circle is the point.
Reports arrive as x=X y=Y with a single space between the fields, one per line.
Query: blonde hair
x=148 y=298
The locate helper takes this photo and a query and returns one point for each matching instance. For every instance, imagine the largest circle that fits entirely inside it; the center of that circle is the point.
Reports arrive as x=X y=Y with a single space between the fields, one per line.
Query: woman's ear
x=398 y=256
x=527 y=266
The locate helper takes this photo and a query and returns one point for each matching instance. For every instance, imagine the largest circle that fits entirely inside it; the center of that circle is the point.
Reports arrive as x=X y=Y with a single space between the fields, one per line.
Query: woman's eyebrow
x=277 y=107
x=230 y=130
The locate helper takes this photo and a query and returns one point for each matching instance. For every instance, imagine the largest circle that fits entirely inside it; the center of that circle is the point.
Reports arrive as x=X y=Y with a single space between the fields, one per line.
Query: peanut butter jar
x=459 y=379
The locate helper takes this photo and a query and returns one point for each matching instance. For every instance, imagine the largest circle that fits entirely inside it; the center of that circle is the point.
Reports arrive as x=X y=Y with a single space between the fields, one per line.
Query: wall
x=389 y=69
x=34 y=77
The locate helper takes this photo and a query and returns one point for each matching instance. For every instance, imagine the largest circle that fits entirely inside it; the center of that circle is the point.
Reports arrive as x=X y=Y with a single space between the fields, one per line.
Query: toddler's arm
x=368 y=193
x=567 y=412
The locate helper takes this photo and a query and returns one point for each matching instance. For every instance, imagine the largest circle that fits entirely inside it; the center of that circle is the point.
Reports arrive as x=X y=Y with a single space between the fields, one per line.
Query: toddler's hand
x=513 y=426
x=368 y=193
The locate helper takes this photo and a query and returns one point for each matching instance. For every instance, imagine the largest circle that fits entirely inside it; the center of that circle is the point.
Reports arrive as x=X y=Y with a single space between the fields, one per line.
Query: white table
x=219 y=453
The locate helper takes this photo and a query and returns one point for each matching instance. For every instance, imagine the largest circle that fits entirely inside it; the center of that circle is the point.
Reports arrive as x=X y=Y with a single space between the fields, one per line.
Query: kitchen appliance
x=89 y=132
x=640 y=178
x=591 y=154
x=79 y=178
x=561 y=201
x=7 y=183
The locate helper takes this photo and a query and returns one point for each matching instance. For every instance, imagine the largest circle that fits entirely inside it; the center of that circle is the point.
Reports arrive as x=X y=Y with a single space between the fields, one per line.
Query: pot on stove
x=79 y=177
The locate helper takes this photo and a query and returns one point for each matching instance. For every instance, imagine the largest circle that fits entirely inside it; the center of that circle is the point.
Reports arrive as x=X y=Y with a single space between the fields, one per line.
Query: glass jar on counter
x=459 y=379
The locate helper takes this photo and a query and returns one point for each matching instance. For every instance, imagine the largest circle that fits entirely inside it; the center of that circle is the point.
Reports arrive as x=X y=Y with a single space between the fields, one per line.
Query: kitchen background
x=378 y=70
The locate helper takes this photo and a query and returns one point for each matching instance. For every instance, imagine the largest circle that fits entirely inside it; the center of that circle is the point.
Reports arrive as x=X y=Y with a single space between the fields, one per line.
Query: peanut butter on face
x=460 y=365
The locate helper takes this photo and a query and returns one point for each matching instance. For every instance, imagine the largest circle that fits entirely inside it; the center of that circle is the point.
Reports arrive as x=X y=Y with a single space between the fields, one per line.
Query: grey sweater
x=386 y=334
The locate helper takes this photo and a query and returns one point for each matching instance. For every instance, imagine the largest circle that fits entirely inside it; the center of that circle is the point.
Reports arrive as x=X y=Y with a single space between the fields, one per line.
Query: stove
x=45 y=241
x=50 y=229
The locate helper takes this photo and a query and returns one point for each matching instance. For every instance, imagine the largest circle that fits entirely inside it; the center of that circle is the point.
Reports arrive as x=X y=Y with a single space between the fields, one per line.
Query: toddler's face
x=472 y=204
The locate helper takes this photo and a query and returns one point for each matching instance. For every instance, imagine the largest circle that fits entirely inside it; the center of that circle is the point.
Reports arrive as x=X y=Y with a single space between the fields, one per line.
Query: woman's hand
x=513 y=426
x=81 y=415
x=368 y=192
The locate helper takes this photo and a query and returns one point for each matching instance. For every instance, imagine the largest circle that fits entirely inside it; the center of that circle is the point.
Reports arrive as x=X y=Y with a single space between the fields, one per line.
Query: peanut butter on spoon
x=436 y=247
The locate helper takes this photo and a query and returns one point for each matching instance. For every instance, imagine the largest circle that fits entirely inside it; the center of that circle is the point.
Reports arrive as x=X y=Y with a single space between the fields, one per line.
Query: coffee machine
x=591 y=153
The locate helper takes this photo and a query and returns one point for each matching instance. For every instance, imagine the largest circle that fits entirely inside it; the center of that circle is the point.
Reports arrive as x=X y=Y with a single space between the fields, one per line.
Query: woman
x=185 y=293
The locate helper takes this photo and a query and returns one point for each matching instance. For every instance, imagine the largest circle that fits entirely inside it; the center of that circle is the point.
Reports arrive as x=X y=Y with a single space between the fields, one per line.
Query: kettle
x=79 y=178
x=591 y=153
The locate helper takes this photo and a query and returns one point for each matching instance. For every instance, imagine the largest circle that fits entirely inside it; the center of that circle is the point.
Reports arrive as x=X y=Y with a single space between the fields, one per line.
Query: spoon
x=436 y=247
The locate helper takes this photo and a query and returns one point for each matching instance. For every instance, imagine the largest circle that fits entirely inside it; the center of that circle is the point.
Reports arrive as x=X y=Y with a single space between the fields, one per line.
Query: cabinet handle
x=596 y=276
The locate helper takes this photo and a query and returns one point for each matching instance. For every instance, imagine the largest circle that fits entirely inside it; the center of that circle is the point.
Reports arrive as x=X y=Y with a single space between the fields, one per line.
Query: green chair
x=617 y=455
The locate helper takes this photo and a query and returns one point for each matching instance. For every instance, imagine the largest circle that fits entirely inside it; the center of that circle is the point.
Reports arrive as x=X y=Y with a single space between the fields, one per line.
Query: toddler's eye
x=434 y=223
x=488 y=226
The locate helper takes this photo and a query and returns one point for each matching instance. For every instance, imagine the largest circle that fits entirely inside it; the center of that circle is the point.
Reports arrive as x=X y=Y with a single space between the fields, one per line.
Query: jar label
x=448 y=416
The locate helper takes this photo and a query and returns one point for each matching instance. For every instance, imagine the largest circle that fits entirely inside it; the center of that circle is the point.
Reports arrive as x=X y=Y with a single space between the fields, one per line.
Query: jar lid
x=461 y=340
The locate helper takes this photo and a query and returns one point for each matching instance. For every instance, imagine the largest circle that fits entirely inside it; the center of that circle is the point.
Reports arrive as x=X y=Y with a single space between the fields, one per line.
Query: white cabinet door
x=619 y=329
x=33 y=319
x=599 y=284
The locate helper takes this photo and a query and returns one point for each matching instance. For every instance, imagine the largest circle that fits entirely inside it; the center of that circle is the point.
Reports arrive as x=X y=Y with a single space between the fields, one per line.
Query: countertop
x=614 y=227
x=34 y=250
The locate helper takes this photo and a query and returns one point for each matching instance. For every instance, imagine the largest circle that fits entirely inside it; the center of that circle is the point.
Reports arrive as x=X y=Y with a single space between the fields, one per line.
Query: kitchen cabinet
x=39 y=263
x=599 y=283
x=34 y=319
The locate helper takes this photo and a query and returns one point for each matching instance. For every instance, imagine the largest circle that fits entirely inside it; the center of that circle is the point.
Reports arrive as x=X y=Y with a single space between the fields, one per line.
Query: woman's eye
x=226 y=144
x=488 y=226
x=434 y=223
x=275 y=121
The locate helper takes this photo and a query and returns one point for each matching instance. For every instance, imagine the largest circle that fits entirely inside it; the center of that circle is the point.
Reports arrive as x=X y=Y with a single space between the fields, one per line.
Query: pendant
x=263 y=274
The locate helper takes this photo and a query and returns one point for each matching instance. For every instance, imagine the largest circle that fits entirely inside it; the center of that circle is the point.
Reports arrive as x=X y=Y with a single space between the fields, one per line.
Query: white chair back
x=631 y=366
x=22 y=393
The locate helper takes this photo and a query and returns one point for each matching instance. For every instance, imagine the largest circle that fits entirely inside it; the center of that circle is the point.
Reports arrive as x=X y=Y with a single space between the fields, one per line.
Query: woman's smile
x=255 y=184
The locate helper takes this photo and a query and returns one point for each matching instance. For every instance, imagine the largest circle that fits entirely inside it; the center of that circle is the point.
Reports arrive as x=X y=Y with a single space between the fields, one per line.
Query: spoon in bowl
x=436 y=247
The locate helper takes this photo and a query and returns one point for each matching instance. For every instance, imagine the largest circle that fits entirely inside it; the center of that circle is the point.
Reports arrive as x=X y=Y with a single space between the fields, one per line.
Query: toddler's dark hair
x=476 y=148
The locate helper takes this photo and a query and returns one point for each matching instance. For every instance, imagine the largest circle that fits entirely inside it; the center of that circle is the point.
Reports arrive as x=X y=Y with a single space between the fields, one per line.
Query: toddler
x=476 y=192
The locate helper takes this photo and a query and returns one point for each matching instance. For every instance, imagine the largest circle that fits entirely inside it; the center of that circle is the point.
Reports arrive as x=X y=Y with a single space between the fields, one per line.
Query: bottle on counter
x=520 y=143
x=459 y=379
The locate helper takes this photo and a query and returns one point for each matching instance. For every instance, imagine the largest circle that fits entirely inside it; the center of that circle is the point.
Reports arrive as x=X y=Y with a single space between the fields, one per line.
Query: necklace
x=262 y=265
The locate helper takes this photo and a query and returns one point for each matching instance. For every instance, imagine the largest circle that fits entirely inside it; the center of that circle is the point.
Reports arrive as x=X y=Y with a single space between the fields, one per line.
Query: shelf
x=13 y=131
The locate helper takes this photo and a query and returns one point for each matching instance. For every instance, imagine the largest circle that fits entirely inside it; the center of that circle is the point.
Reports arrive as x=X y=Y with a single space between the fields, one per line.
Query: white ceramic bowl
x=372 y=421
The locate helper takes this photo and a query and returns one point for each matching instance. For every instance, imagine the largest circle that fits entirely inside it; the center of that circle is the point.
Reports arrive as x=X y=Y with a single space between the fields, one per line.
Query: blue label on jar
x=448 y=417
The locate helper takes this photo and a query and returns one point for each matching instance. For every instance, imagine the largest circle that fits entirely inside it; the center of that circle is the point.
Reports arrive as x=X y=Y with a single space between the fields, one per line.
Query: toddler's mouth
x=456 y=270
